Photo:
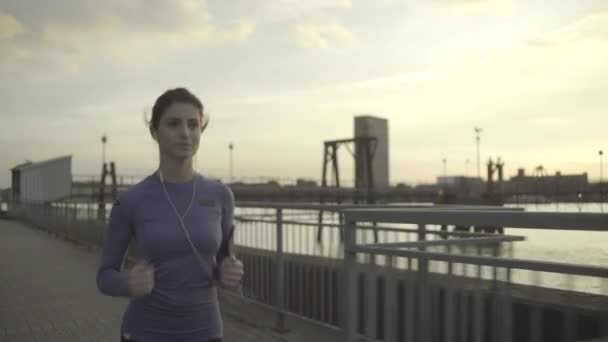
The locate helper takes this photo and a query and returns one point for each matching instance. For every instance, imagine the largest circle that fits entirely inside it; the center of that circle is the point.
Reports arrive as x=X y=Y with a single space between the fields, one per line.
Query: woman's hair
x=169 y=97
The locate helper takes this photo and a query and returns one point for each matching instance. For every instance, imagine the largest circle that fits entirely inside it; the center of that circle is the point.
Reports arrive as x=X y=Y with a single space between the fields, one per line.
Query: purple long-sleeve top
x=183 y=305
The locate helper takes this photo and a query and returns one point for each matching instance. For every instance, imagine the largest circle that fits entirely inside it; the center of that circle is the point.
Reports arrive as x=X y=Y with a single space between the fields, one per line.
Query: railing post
x=371 y=298
x=478 y=304
x=507 y=328
x=349 y=297
x=280 y=275
x=536 y=323
x=423 y=320
x=604 y=324
x=449 y=315
x=390 y=302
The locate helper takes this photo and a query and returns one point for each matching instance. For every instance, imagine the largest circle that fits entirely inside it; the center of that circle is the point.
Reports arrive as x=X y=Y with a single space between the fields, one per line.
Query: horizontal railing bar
x=372 y=228
x=341 y=207
x=536 y=220
x=471 y=241
x=530 y=265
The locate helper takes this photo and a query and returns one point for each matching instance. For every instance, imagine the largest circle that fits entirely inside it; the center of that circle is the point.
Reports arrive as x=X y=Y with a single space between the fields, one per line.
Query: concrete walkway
x=48 y=293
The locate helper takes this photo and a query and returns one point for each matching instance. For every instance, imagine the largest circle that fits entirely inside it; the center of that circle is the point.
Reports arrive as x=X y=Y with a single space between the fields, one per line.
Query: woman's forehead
x=181 y=110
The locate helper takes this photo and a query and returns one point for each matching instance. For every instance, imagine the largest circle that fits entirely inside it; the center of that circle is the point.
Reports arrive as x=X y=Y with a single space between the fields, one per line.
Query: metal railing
x=294 y=261
x=419 y=303
x=73 y=221
x=296 y=265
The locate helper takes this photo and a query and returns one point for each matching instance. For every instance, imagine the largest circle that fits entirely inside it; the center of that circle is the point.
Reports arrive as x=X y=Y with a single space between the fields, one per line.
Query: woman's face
x=179 y=131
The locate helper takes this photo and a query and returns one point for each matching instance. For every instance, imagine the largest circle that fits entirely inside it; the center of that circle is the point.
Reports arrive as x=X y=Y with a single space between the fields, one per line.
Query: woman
x=181 y=223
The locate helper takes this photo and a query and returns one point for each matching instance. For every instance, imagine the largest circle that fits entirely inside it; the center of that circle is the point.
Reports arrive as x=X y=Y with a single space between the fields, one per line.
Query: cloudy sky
x=279 y=77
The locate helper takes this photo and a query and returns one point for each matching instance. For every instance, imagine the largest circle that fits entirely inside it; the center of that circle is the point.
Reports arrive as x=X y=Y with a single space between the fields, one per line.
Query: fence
x=430 y=300
x=408 y=277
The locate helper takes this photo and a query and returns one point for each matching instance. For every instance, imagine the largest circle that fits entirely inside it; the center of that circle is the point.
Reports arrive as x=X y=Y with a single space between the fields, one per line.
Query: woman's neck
x=176 y=170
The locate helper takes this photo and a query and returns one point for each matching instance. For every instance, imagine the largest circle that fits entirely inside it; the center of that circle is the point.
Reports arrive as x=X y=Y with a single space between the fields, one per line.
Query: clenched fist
x=140 y=279
x=232 y=272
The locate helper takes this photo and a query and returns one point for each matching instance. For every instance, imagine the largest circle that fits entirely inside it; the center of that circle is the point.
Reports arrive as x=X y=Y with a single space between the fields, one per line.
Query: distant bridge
x=273 y=192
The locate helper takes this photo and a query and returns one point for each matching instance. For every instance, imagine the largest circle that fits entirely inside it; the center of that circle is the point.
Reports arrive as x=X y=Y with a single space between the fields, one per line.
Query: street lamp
x=104 y=140
x=231 y=148
x=601 y=153
x=477 y=132
x=445 y=167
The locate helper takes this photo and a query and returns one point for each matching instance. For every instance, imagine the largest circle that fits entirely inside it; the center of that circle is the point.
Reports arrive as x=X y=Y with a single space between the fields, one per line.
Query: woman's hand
x=140 y=279
x=232 y=272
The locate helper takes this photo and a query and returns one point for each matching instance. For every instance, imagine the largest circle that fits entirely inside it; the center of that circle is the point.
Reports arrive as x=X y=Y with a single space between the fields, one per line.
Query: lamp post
x=231 y=148
x=477 y=132
x=104 y=140
x=601 y=153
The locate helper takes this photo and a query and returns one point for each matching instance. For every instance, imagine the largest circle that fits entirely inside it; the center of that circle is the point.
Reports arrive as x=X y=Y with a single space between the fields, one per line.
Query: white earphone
x=181 y=219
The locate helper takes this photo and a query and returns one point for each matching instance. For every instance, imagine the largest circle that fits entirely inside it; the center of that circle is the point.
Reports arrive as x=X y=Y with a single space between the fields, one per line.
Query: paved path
x=48 y=293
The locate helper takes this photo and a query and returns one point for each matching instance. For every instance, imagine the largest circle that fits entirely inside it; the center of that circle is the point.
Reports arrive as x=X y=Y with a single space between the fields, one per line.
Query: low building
x=541 y=183
x=461 y=186
x=43 y=181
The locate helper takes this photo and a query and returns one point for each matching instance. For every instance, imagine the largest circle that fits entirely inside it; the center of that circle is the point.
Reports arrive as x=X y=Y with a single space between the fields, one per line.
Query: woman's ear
x=205 y=122
x=153 y=132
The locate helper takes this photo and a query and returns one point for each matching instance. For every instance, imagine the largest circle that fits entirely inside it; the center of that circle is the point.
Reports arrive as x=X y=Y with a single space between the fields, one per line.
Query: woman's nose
x=184 y=130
